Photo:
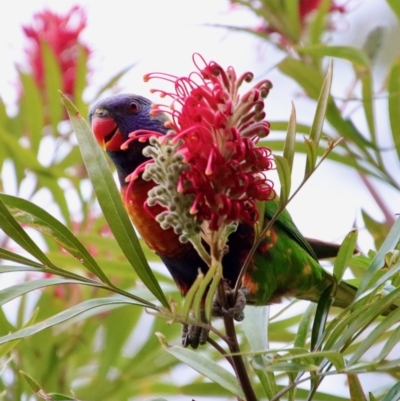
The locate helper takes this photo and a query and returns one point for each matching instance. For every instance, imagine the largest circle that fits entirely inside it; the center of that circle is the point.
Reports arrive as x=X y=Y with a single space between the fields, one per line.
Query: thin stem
x=239 y=366
x=378 y=199
x=221 y=351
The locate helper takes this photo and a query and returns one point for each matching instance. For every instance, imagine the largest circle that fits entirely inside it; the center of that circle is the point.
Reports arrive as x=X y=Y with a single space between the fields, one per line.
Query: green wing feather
x=285 y=265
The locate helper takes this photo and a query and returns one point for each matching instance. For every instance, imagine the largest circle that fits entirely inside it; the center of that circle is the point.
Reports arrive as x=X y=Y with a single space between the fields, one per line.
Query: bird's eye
x=134 y=107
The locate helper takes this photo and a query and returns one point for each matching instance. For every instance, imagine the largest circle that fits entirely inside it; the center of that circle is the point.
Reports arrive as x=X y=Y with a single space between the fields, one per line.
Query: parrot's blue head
x=114 y=118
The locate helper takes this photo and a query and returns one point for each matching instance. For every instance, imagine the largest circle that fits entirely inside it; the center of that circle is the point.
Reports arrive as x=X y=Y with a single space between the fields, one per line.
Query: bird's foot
x=236 y=302
x=193 y=335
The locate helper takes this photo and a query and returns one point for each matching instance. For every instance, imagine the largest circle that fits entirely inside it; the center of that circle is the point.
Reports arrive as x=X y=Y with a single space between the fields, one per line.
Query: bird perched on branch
x=285 y=263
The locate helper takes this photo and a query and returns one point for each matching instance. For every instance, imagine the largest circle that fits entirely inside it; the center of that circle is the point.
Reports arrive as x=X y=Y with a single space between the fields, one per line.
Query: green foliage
x=89 y=303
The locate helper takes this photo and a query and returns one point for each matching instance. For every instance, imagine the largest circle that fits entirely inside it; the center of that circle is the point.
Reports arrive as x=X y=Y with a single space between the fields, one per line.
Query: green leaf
x=288 y=151
x=306 y=76
x=393 y=87
x=291 y=367
x=379 y=231
x=283 y=168
x=311 y=160
x=368 y=102
x=321 y=316
x=28 y=213
x=356 y=56
x=395 y=6
x=372 y=398
x=318 y=24
x=374 y=42
x=10 y=226
x=60 y=397
x=14 y=257
x=319 y=118
x=359 y=319
x=293 y=19
x=356 y=391
x=53 y=83
x=66 y=315
x=32 y=111
x=336 y=358
x=255 y=327
x=378 y=331
x=390 y=243
x=110 y=201
x=393 y=394
x=80 y=78
x=31 y=382
x=10 y=293
x=204 y=366
x=345 y=253
x=304 y=326
x=393 y=340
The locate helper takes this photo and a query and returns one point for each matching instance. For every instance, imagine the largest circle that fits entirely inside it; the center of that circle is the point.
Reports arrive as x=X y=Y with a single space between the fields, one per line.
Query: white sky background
x=161 y=35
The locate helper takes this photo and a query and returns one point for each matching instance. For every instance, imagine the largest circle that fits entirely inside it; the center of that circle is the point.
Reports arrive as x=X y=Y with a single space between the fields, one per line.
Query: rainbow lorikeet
x=285 y=263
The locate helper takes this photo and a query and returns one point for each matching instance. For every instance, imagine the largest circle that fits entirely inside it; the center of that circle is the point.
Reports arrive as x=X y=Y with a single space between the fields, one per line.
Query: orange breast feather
x=165 y=242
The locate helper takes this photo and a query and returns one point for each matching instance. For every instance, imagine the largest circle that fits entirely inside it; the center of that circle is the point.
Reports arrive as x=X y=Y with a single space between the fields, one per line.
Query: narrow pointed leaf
x=390 y=243
x=28 y=213
x=356 y=56
x=15 y=291
x=393 y=340
x=319 y=118
x=80 y=78
x=110 y=201
x=292 y=14
x=311 y=161
x=32 y=110
x=66 y=315
x=14 y=257
x=11 y=228
x=204 y=366
x=393 y=394
x=283 y=168
x=321 y=316
x=53 y=84
x=304 y=326
x=368 y=342
x=394 y=102
x=368 y=102
x=288 y=152
x=31 y=382
x=345 y=253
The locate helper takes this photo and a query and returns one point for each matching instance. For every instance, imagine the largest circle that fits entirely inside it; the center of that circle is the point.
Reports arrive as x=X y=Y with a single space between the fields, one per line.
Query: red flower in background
x=306 y=7
x=62 y=34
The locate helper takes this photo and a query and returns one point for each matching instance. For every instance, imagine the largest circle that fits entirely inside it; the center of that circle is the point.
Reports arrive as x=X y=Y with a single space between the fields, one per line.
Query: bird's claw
x=193 y=335
x=236 y=311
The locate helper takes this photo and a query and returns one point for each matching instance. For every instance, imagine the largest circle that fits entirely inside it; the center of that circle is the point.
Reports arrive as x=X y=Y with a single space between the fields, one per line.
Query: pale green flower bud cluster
x=165 y=171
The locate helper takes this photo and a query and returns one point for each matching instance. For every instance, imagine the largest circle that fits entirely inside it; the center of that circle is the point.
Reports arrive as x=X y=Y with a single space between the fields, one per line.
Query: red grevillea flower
x=306 y=7
x=216 y=130
x=62 y=34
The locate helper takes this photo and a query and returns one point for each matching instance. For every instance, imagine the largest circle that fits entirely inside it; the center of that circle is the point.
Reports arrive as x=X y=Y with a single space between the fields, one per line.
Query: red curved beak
x=107 y=134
